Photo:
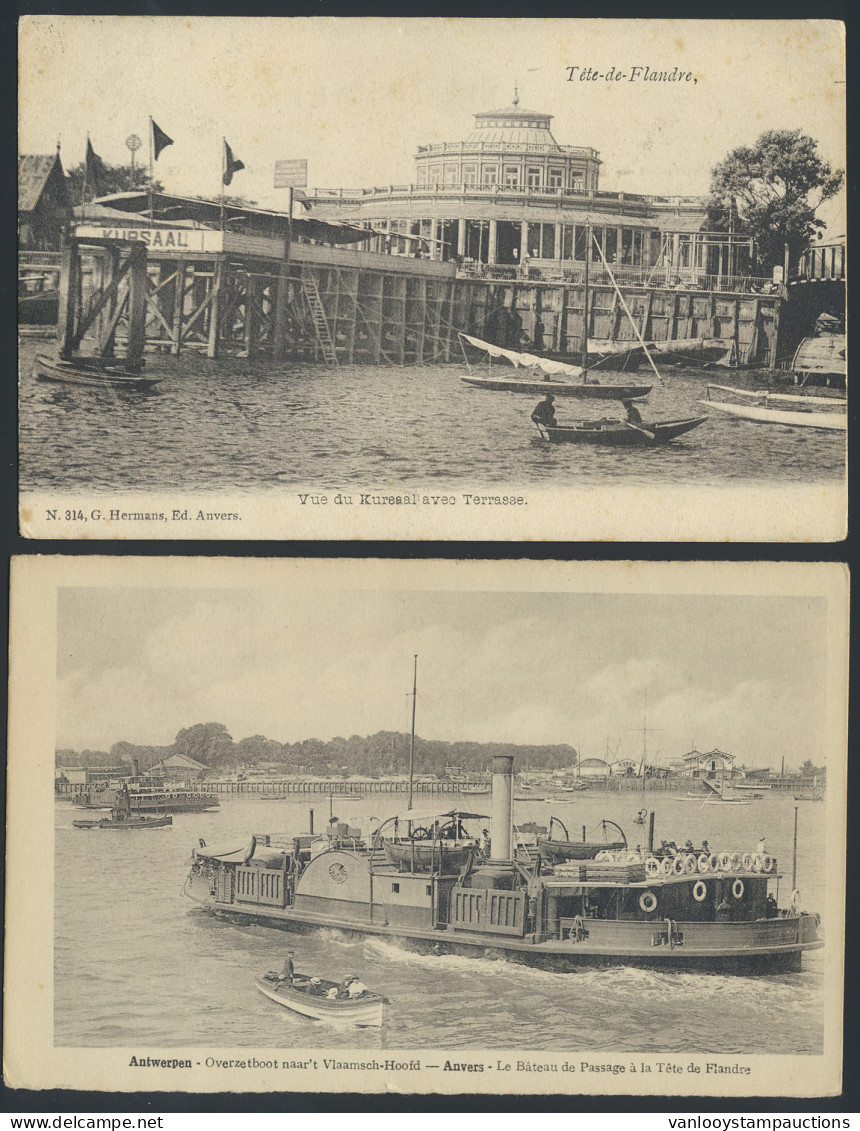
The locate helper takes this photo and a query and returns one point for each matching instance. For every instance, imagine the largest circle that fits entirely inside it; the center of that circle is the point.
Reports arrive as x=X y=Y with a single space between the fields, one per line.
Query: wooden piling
x=136 y=304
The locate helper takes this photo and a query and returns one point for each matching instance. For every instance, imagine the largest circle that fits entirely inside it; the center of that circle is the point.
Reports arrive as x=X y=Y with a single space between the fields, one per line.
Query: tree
x=771 y=191
x=112 y=178
x=209 y=743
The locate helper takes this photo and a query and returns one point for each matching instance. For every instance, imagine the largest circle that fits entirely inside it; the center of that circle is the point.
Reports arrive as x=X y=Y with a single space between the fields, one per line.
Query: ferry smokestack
x=503 y=807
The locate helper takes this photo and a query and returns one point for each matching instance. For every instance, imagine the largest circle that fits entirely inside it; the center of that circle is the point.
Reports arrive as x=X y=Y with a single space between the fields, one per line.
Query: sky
x=356 y=97
x=744 y=673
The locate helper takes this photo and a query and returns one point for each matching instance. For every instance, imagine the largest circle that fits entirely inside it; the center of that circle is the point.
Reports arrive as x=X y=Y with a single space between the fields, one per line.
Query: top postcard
x=299 y=279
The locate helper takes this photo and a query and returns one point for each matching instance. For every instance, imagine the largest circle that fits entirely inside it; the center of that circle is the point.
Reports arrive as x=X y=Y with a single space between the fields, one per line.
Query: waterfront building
x=510 y=200
x=44 y=208
x=715 y=763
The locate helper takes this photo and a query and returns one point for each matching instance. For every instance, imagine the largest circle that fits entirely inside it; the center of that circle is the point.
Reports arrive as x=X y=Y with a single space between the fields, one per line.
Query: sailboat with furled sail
x=558 y=377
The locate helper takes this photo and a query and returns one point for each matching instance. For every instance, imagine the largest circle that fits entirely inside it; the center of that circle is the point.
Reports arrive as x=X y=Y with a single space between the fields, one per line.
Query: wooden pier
x=133 y=291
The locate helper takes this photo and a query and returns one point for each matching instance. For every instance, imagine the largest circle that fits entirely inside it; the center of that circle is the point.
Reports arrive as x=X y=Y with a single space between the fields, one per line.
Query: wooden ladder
x=321 y=327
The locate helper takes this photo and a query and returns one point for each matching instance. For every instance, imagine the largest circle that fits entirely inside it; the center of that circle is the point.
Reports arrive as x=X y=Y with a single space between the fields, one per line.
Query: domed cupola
x=513 y=125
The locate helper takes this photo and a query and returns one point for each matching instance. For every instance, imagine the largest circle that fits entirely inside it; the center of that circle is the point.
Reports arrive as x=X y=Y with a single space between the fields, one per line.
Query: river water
x=239 y=427
x=137 y=965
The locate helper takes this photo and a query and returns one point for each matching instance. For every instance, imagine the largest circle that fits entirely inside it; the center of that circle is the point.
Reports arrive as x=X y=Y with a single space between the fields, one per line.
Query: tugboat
x=714 y=910
x=122 y=819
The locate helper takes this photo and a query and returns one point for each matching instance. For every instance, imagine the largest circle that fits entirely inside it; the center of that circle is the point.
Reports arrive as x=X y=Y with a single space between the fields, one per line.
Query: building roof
x=34 y=169
x=183 y=760
x=513 y=126
x=698 y=755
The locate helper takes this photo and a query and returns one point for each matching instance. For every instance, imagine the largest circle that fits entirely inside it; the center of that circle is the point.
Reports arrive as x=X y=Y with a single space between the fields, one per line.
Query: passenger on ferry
x=724 y=910
x=771 y=911
x=315 y=987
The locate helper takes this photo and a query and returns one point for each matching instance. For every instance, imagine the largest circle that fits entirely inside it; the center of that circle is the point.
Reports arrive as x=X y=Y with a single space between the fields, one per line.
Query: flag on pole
x=231 y=164
x=95 y=169
x=160 y=140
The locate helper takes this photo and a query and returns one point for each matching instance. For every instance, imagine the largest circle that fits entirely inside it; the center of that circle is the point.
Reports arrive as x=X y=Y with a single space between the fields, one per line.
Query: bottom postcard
x=426 y=827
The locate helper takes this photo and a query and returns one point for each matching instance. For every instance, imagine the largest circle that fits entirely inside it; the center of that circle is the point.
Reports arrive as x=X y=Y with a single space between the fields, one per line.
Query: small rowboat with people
x=324 y=1000
x=93 y=372
x=620 y=433
x=560 y=378
x=789 y=409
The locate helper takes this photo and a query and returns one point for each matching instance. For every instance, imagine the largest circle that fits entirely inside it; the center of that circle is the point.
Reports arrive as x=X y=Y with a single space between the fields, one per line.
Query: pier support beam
x=69 y=280
x=136 y=303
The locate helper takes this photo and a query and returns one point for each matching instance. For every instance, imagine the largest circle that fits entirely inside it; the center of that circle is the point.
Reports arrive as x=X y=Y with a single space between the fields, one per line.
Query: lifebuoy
x=767 y=863
x=603 y=856
x=678 y=866
x=758 y=860
x=725 y=861
x=700 y=891
x=704 y=863
x=795 y=899
x=652 y=866
x=714 y=862
x=738 y=889
x=690 y=864
x=736 y=861
x=666 y=866
x=747 y=861
x=648 y=902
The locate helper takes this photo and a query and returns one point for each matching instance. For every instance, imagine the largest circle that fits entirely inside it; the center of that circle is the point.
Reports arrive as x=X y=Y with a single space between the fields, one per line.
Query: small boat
x=818 y=412
x=557 y=377
x=620 y=433
x=91 y=371
x=126 y=824
x=306 y=996
x=555 y=850
x=822 y=356
x=674 y=349
x=444 y=856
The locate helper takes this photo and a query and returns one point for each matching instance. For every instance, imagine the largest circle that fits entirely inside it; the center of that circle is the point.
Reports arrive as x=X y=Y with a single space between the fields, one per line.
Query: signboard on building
x=291 y=174
x=161 y=239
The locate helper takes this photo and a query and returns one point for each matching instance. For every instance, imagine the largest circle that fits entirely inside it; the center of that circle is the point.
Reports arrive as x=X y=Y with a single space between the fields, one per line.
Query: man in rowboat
x=633 y=414
x=544 y=413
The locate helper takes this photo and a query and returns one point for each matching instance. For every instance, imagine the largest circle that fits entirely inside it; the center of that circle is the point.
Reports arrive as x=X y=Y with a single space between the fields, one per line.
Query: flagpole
x=223 y=171
x=151 y=163
x=84 y=186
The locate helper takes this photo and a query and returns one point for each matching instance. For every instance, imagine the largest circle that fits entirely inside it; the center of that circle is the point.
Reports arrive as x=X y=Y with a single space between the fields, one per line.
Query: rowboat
x=426 y=856
x=555 y=850
x=620 y=433
x=812 y=416
x=558 y=377
x=704 y=349
x=308 y=999
x=91 y=372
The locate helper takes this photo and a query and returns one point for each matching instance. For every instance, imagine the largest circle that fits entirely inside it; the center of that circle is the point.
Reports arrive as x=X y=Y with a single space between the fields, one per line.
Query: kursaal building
x=510 y=196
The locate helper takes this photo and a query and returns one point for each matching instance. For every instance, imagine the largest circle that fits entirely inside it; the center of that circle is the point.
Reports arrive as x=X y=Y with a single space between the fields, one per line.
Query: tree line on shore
x=383 y=754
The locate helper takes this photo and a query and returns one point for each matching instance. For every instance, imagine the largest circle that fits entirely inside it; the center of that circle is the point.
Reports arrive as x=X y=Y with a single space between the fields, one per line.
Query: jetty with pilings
x=233 y=295
x=264 y=285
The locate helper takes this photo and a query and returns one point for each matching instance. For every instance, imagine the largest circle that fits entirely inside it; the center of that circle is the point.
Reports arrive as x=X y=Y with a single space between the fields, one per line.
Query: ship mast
x=412 y=743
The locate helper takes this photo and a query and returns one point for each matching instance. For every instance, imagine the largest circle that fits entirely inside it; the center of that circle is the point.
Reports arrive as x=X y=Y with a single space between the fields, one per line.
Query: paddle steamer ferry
x=716 y=911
